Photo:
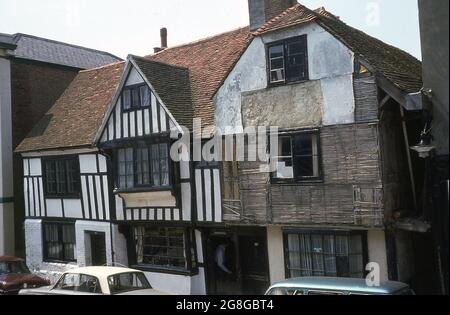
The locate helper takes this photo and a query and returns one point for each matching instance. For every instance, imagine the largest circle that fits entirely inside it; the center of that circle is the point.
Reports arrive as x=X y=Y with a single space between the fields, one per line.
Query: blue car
x=337 y=286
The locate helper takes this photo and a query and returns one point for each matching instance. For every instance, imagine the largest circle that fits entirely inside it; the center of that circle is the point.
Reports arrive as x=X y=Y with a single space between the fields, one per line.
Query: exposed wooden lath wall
x=350 y=193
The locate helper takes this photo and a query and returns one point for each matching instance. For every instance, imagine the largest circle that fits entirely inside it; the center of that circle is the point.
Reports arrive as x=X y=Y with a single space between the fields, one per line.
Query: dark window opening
x=136 y=97
x=62 y=177
x=298 y=157
x=59 y=242
x=288 y=60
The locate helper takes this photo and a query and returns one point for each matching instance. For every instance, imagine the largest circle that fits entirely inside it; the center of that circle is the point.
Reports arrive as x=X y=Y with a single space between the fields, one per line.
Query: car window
x=14 y=267
x=129 y=281
x=286 y=291
x=79 y=283
x=318 y=292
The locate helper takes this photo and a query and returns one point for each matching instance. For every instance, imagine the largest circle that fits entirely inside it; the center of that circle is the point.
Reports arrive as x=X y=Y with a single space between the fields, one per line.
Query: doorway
x=236 y=261
x=98 y=249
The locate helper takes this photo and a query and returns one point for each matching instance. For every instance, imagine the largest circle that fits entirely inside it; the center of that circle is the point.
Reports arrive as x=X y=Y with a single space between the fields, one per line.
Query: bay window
x=144 y=166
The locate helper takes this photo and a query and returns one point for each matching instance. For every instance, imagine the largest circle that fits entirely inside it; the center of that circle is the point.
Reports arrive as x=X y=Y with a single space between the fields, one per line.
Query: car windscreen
x=14 y=267
x=79 y=283
x=128 y=281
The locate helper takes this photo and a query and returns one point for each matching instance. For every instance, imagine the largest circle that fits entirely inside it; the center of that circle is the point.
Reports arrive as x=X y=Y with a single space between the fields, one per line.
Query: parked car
x=15 y=275
x=337 y=286
x=98 y=281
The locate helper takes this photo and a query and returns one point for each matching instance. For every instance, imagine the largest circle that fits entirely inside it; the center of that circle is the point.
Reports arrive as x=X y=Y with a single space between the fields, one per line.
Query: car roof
x=10 y=259
x=341 y=284
x=101 y=271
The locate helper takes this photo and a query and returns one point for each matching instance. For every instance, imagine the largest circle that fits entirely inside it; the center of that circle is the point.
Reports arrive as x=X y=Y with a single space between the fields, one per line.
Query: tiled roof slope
x=209 y=62
x=399 y=67
x=172 y=84
x=74 y=119
x=50 y=51
x=6 y=41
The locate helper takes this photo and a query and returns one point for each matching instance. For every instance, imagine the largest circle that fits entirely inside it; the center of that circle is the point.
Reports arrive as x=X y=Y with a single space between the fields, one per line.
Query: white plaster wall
x=249 y=74
x=174 y=284
x=34 y=253
x=6 y=161
x=377 y=251
x=276 y=253
x=88 y=163
x=134 y=78
x=82 y=229
x=329 y=62
x=339 y=101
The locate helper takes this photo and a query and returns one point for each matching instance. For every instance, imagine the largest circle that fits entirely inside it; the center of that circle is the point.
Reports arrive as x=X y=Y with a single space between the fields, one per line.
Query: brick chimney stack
x=163 y=33
x=262 y=11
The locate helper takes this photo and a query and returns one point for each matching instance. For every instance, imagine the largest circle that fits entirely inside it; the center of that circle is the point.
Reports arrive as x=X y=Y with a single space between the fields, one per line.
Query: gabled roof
x=74 y=119
x=54 y=52
x=209 y=61
x=397 y=66
x=172 y=84
x=7 y=42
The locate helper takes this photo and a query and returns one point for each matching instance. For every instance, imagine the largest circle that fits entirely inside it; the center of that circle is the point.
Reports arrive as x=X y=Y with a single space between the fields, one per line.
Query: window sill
x=294 y=182
x=63 y=197
x=284 y=83
x=135 y=109
x=147 y=268
x=142 y=190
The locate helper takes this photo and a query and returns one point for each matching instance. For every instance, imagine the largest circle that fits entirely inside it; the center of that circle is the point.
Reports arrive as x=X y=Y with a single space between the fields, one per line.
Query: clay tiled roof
x=399 y=67
x=172 y=85
x=74 y=119
x=209 y=62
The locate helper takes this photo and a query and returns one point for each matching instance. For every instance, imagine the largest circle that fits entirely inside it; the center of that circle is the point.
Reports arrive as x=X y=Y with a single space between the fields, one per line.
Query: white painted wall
x=134 y=78
x=249 y=74
x=377 y=251
x=34 y=253
x=6 y=161
x=52 y=271
x=275 y=249
x=329 y=62
x=82 y=229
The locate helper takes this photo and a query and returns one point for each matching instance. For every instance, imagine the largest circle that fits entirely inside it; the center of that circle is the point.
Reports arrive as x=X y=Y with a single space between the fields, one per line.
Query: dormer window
x=288 y=60
x=136 y=97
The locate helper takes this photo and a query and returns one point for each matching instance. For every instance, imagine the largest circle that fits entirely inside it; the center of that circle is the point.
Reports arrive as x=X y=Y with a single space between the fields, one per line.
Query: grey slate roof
x=7 y=41
x=54 y=52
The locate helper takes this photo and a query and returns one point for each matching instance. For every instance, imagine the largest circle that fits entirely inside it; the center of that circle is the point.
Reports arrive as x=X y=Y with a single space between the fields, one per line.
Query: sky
x=132 y=26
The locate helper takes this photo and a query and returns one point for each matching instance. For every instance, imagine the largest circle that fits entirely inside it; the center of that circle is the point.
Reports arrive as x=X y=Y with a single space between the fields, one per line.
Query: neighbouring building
x=100 y=186
x=434 y=37
x=34 y=72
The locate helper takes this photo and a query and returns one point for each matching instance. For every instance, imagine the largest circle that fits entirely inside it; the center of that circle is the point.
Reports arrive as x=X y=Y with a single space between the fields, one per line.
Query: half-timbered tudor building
x=101 y=188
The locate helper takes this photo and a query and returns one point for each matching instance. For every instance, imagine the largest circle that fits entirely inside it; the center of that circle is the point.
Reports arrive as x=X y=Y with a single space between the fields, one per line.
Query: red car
x=15 y=276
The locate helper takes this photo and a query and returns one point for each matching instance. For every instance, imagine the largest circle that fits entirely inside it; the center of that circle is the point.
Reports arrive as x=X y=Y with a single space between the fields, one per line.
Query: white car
x=98 y=281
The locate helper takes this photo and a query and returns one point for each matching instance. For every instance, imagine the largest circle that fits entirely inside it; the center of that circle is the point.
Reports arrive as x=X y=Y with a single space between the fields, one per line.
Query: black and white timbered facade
x=124 y=197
